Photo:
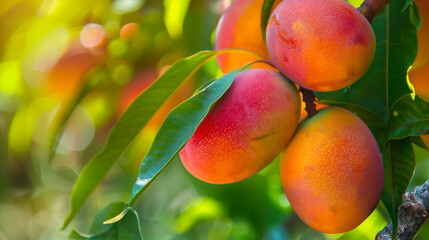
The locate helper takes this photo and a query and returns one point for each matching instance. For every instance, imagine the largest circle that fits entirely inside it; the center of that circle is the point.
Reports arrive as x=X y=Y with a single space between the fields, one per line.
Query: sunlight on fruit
x=79 y=122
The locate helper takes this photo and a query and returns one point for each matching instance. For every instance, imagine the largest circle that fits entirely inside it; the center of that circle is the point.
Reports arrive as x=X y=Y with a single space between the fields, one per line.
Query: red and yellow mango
x=332 y=171
x=245 y=130
x=240 y=27
x=320 y=45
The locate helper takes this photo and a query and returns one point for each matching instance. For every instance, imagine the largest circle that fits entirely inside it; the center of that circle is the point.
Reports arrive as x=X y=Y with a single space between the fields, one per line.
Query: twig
x=309 y=98
x=412 y=214
x=371 y=8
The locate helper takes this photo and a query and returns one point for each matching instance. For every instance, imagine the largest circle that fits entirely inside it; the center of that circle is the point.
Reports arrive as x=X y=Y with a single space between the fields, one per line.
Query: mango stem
x=309 y=98
x=371 y=8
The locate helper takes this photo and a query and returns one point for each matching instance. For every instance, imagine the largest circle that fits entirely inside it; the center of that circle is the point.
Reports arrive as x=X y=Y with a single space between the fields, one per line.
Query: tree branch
x=371 y=8
x=309 y=98
x=411 y=215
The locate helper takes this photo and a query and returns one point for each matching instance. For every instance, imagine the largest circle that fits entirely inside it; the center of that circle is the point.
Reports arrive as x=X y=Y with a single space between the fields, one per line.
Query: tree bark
x=412 y=214
x=371 y=8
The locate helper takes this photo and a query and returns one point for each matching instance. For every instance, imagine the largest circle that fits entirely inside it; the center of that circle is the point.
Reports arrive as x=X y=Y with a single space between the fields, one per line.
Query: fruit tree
x=214 y=119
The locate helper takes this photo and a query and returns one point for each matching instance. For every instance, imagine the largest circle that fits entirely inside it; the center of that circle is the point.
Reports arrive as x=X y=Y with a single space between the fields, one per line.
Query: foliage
x=96 y=150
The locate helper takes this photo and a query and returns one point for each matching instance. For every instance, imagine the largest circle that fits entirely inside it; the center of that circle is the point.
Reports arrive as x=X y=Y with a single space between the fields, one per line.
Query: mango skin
x=425 y=139
x=422 y=58
x=332 y=171
x=419 y=73
x=420 y=80
x=240 y=27
x=320 y=45
x=245 y=130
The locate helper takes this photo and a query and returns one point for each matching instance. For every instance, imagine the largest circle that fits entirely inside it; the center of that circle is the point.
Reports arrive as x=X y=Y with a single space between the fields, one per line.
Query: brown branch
x=371 y=8
x=309 y=98
x=411 y=215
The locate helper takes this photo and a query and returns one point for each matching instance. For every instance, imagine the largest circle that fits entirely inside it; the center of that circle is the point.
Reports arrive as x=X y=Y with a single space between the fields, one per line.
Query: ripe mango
x=245 y=130
x=320 y=45
x=332 y=171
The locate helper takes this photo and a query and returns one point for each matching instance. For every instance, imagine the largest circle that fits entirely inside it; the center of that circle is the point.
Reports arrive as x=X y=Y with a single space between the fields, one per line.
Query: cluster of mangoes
x=331 y=168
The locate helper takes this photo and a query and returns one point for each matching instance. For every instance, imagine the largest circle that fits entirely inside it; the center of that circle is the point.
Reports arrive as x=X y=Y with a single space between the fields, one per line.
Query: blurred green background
x=54 y=53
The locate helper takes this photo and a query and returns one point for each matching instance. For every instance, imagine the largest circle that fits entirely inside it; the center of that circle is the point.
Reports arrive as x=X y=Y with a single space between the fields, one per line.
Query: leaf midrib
x=387 y=104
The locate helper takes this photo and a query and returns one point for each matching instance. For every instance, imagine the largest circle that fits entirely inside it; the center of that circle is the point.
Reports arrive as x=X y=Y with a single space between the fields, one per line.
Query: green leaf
x=419 y=142
x=386 y=79
x=76 y=236
x=399 y=164
x=355 y=3
x=369 y=228
x=406 y=5
x=198 y=210
x=128 y=228
x=409 y=116
x=265 y=15
x=176 y=130
x=175 y=12
x=129 y=125
x=106 y=213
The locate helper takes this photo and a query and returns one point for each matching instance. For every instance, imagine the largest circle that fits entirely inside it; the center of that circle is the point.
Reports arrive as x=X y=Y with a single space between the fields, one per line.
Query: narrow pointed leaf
x=128 y=228
x=174 y=15
x=129 y=125
x=419 y=142
x=176 y=130
x=265 y=15
x=406 y=5
x=399 y=164
x=76 y=236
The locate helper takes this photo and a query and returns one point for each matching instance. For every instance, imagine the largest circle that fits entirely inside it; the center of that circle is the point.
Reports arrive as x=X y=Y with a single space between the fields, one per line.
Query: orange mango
x=245 y=130
x=332 y=171
x=425 y=139
x=320 y=51
x=422 y=35
x=240 y=27
x=419 y=73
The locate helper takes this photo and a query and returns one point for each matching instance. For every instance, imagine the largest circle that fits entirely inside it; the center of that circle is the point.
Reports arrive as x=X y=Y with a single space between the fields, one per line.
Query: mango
x=320 y=45
x=332 y=171
x=422 y=35
x=419 y=73
x=245 y=130
x=240 y=27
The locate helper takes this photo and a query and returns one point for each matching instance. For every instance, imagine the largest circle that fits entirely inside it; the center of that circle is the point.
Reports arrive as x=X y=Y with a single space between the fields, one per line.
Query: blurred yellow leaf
x=175 y=12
